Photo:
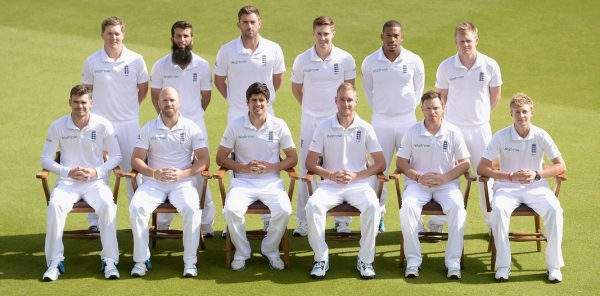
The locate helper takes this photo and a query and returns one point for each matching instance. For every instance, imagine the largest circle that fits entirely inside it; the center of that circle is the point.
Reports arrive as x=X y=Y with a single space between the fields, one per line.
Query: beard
x=181 y=56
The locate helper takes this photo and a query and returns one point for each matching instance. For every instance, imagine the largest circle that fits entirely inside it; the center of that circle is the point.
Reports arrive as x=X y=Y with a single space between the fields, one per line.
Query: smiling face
x=249 y=24
x=392 y=39
x=323 y=36
x=182 y=37
x=522 y=115
x=113 y=37
x=80 y=106
x=257 y=104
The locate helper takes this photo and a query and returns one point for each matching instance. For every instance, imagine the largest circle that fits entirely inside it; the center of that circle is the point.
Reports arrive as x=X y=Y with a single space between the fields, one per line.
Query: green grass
x=547 y=49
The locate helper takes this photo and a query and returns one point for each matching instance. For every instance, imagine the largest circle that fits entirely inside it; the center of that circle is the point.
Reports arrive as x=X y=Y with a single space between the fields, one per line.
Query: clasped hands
x=432 y=179
x=167 y=174
x=342 y=176
x=82 y=173
x=257 y=167
x=523 y=176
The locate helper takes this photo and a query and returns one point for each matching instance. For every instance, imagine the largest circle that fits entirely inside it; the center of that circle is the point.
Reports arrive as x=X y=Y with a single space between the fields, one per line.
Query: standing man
x=520 y=149
x=82 y=138
x=316 y=75
x=344 y=140
x=433 y=155
x=190 y=75
x=257 y=140
x=245 y=60
x=119 y=80
x=470 y=85
x=169 y=143
x=393 y=79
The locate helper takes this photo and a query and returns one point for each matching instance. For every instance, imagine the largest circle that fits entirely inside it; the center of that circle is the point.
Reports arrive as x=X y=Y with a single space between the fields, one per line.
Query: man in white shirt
x=520 y=149
x=245 y=60
x=393 y=78
x=316 y=75
x=118 y=79
x=169 y=143
x=432 y=156
x=82 y=138
x=257 y=140
x=344 y=140
x=470 y=83
x=190 y=75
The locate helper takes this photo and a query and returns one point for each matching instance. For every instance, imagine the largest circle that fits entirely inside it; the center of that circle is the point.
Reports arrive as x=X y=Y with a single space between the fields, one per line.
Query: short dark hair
x=323 y=21
x=430 y=95
x=257 y=88
x=248 y=9
x=181 y=25
x=391 y=24
x=80 y=90
x=113 y=21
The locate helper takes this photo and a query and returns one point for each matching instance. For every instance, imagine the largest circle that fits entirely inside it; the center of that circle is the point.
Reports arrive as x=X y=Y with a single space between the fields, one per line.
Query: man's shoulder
x=269 y=43
x=96 y=56
x=200 y=60
x=229 y=46
x=373 y=57
x=449 y=62
x=130 y=54
x=304 y=56
x=411 y=55
x=336 y=51
x=99 y=120
x=61 y=121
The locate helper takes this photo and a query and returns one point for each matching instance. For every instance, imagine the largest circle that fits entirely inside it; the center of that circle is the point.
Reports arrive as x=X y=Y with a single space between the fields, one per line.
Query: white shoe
x=238 y=265
x=366 y=270
x=162 y=227
x=301 y=230
x=207 y=230
x=274 y=263
x=190 y=270
x=140 y=268
x=435 y=228
x=502 y=274
x=224 y=233
x=110 y=270
x=412 y=272
x=319 y=269
x=341 y=228
x=55 y=269
x=554 y=275
x=421 y=226
x=453 y=273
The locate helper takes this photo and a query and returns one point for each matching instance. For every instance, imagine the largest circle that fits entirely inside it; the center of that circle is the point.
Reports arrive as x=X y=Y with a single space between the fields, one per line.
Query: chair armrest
x=382 y=177
x=396 y=175
x=220 y=173
x=43 y=174
x=483 y=179
x=119 y=172
x=308 y=177
x=292 y=174
x=206 y=175
x=561 y=177
x=470 y=177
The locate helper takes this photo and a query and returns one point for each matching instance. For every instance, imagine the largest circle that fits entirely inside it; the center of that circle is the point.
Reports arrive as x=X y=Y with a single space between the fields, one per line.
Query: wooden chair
x=167 y=208
x=343 y=209
x=80 y=206
x=523 y=210
x=431 y=208
x=256 y=208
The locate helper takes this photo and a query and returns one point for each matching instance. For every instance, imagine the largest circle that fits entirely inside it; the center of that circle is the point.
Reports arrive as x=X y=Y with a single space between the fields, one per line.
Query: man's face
x=182 y=37
x=249 y=25
x=432 y=110
x=346 y=101
x=466 y=43
x=113 y=37
x=323 y=36
x=80 y=105
x=392 y=39
x=521 y=115
x=168 y=103
x=257 y=104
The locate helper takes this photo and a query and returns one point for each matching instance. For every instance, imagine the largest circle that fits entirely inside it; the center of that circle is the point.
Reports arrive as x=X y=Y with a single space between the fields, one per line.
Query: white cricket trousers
x=126 y=132
x=242 y=194
x=184 y=197
x=476 y=139
x=539 y=197
x=329 y=194
x=389 y=132
x=450 y=198
x=208 y=214
x=308 y=125
x=99 y=196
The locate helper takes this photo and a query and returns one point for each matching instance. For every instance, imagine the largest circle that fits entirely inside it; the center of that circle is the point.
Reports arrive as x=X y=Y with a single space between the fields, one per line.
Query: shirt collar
x=105 y=58
x=381 y=55
x=458 y=64
x=161 y=125
x=247 y=124
x=442 y=131
x=514 y=135
x=239 y=45
x=315 y=58
x=355 y=123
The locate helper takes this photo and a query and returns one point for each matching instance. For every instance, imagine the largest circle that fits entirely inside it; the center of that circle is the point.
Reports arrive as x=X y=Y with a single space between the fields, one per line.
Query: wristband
x=329 y=176
x=417 y=177
x=510 y=177
x=153 y=171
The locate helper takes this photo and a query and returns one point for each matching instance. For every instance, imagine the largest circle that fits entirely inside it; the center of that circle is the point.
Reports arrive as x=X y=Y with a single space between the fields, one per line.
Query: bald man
x=169 y=142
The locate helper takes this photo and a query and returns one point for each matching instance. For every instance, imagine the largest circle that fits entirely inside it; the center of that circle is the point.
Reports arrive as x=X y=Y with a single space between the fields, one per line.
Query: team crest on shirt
x=126 y=70
x=181 y=138
x=195 y=77
x=264 y=60
x=481 y=76
x=270 y=136
x=336 y=68
x=358 y=136
x=404 y=69
x=533 y=149
x=445 y=146
x=93 y=136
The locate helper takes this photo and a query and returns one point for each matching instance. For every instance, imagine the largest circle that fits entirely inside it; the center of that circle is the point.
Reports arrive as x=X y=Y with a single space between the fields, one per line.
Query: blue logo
x=264 y=60
x=336 y=68
x=358 y=136
x=270 y=136
x=181 y=138
x=195 y=77
x=533 y=149
x=481 y=76
x=445 y=146
x=404 y=69
x=93 y=136
x=126 y=70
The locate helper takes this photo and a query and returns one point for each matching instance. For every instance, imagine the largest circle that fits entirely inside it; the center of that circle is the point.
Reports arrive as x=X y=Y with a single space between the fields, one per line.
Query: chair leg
x=401 y=261
x=154 y=227
x=228 y=250
x=202 y=244
x=493 y=250
x=286 y=248
x=462 y=259
x=538 y=230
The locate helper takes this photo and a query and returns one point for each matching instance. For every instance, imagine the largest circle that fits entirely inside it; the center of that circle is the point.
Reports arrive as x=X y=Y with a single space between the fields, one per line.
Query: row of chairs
x=258 y=208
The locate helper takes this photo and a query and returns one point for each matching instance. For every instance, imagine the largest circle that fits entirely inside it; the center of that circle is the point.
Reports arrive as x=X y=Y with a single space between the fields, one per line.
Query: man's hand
x=82 y=173
x=343 y=177
x=169 y=174
x=258 y=167
x=432 y=179
x=523 y=176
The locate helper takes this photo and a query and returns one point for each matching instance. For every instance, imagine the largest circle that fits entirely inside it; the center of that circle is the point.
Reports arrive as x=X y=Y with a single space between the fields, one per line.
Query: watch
x=537 y=176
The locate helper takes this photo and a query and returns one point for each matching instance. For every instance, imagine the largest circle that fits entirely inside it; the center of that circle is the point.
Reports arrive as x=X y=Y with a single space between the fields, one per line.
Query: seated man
x=81 y=137
x=169 y=142
x=433 y=155
x=344 y=141
x=521 y=179
x=257 y=139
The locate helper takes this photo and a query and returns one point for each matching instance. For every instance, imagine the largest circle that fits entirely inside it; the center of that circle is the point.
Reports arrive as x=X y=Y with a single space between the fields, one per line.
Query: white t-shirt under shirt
x=262 y=144
x=468 y=101
x=115 y=83
x=189 y=82
x=321 y=78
